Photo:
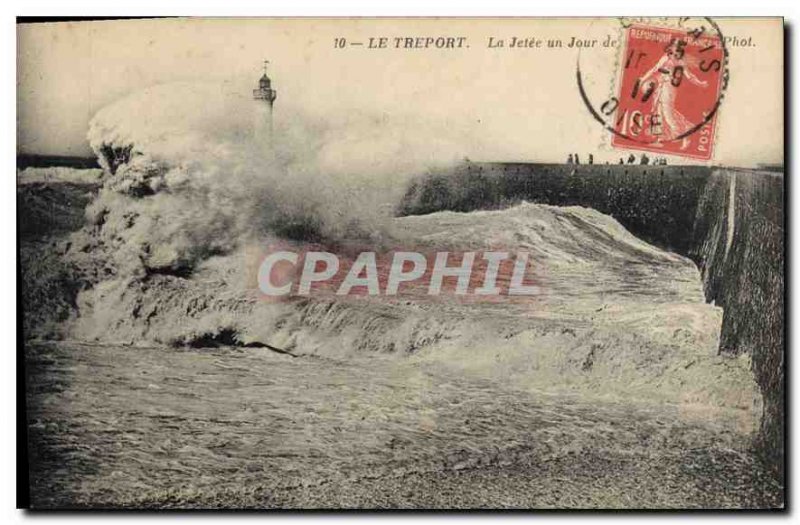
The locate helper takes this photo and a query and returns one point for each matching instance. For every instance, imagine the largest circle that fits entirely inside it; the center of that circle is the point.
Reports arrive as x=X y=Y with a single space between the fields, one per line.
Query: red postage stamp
x=670 y=86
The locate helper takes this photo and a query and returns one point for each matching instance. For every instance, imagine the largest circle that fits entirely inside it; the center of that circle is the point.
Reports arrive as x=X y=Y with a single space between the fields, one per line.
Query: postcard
x=402 y=263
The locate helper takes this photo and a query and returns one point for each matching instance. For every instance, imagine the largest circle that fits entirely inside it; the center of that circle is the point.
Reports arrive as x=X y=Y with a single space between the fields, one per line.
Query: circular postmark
x=665 y=80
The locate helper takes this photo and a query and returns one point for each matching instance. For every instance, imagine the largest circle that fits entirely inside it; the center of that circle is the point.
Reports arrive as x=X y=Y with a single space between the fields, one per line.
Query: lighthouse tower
x=264 y=96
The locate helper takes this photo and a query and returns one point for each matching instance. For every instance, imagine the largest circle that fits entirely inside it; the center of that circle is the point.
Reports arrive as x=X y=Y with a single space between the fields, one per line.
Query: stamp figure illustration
x=670 y=86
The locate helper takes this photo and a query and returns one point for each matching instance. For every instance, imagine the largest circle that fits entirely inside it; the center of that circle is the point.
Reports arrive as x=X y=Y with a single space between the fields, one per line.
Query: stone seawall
x=730 y=222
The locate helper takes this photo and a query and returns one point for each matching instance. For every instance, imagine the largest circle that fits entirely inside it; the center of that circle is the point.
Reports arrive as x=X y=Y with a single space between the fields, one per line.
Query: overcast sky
x=523 y=103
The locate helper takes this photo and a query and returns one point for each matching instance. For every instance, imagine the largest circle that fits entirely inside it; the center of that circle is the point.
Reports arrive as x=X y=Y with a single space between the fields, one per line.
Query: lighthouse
x=264 y=97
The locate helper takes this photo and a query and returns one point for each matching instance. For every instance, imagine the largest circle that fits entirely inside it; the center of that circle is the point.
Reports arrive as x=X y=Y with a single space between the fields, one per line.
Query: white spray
x=197 y=181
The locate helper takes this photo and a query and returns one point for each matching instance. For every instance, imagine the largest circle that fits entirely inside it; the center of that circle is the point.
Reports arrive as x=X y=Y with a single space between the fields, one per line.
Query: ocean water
x=607 y=390
x=117 y=426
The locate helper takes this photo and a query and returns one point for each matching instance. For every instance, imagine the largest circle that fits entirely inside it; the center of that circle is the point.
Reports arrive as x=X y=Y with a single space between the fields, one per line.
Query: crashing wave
x=174 y=236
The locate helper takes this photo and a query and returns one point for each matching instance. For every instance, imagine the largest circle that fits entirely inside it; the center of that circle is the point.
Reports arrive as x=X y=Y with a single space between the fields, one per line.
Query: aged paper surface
x=403 y=263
